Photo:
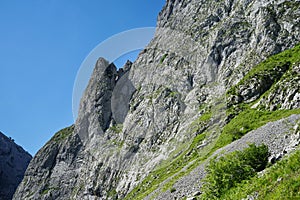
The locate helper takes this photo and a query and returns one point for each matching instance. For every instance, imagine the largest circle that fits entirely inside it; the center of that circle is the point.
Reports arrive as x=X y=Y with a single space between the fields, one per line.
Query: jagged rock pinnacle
x=95 y=105
x=131 y=121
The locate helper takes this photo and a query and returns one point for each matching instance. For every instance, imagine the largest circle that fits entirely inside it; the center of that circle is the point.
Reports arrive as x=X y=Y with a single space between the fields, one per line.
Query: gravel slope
x=281 y=136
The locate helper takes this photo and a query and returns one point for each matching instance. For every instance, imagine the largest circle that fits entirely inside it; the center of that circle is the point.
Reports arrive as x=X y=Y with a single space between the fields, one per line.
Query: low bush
x=231 y=169
x=281 y=181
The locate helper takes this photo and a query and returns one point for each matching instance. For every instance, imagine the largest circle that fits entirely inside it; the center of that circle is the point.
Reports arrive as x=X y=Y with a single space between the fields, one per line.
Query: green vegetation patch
x=63 y=134
x=112 y=193
x=249 y=120
x=270 y=70
x=244 y=119
x=152 y=181
x=162 y=59
x=231 y=169
x=280 y=181
x=48 y=189
x=117 y=128
x=199 y=124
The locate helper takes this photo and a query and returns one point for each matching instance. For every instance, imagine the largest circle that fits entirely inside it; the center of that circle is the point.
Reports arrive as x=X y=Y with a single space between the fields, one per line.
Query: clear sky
x=42 y=45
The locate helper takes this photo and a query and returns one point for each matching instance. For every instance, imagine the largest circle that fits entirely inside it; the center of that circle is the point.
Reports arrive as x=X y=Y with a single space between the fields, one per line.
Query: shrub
x=255 y=157
x=281 y=181
x=231 y=169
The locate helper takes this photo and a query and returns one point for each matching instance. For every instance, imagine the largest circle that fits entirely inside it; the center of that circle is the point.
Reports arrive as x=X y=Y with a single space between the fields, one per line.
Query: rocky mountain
x=13 y=163
x=216 y=76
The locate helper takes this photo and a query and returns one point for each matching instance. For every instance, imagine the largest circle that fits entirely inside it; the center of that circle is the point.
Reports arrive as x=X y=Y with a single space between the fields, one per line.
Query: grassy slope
x=63 y=134
x=281 y=181
x=270 y=67
x=247 y=119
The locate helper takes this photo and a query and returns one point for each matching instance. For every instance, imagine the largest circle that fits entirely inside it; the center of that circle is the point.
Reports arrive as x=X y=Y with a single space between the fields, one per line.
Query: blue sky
x=42 y=45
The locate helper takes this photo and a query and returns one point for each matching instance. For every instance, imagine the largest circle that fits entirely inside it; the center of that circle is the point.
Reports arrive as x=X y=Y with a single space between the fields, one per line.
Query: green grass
x=245 y=120
x=152 y=181
x=47 y=190
x=249 y=120
x=117 y=128
x=205 y=117
x=289 y=80
x=198 y=125
x=271 y=69
x=229 y=170
x=112 y=193
x=165 y=171
x=281 y=181
x=44 y=192
x=63 y=134
x=243 y=123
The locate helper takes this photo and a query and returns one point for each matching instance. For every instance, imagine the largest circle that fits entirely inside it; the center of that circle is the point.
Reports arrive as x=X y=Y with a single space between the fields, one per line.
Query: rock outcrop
x=286 y=92
x=282 y=137
x=173 y=93
x=13 y=163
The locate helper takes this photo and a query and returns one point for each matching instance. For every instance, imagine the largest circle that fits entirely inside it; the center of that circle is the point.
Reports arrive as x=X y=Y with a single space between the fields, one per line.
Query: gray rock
x=95 y=107
x=13 y=163
x=121 y=97
x=200 y=49
x=278 y=136
x=53 y=168
x=286 y=92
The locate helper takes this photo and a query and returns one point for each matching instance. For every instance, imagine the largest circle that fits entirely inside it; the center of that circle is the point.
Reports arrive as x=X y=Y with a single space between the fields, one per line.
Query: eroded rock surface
x=200 y=49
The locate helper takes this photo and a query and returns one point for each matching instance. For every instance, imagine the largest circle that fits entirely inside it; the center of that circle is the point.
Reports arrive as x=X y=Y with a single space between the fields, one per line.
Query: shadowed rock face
x=13 y=163
x=95 y=107
x=121 y=95
x=200 y=49
x=105 y=101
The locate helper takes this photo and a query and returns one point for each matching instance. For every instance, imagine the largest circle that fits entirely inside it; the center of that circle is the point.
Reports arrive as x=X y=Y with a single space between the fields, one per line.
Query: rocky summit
x=218 y=75
x=13 y=163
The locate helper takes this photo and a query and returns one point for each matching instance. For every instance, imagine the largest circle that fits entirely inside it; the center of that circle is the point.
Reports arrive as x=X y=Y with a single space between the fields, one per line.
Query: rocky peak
x=124 y=69
x=135 y=121
x=105 y=101
x=95 y=107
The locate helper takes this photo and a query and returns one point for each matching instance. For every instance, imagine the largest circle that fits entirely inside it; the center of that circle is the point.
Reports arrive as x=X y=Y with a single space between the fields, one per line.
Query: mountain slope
x=13 y=163
x=183 y=175
x=187 y=96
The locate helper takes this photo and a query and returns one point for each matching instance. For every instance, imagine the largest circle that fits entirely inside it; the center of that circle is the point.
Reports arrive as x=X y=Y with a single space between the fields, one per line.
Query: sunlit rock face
x=133 y=119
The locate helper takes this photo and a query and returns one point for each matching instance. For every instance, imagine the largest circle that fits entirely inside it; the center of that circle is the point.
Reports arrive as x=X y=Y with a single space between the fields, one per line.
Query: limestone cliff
x=144 y=128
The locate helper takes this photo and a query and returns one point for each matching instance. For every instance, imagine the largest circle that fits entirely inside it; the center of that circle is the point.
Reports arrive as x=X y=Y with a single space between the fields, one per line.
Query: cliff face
x=169 y=106
x=13 y=163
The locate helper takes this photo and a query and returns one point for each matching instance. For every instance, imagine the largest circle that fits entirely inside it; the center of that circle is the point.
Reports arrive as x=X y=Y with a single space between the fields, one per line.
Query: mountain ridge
x=179 y=108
